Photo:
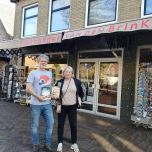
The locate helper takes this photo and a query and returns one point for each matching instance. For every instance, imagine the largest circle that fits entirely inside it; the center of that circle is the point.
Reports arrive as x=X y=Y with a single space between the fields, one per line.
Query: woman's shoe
x=75 y=147
x=60 y=147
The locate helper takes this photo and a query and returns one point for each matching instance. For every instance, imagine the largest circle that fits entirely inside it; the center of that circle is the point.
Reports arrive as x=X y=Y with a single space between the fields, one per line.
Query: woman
x=71 y=90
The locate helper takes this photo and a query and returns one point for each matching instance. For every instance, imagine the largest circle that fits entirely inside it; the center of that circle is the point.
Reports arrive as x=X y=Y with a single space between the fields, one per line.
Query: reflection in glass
x=87 y=76
x=60 y=15
x=108 y=83
x=31 y=12
x=101 y=11
x=60 y=3
x=30 y=26
x=148 y=7
x=106 y=110
x=60 y=20
x=30 y=21
x=87 y=106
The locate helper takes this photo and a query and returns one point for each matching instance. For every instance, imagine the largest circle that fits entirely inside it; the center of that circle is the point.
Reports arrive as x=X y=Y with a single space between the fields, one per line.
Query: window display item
x=142 y=111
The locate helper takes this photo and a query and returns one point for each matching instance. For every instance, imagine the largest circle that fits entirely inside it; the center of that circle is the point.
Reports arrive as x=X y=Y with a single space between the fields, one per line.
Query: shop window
x=57 y=62
x=60 y=14
x=30 y=16
x=101 y=11
x=147 y=7
x=144 y=88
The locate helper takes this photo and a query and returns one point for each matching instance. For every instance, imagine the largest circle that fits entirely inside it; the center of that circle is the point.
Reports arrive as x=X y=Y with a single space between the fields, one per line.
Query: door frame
x=95 y=82
x=97 y=67
x=119 y=61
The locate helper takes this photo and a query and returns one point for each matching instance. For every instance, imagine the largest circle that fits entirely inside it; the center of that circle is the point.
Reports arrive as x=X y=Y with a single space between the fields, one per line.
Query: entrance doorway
x=102 y=78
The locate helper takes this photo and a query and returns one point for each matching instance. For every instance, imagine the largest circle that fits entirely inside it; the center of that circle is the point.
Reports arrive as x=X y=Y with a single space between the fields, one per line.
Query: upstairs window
x=60 y=14
x=147 y=7
x=30 y=16
x=101 y=11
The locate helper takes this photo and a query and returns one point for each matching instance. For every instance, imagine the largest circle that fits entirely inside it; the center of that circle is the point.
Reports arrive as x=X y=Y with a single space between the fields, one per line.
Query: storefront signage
x=142 y=24
x=56 y=38
x=19 y=43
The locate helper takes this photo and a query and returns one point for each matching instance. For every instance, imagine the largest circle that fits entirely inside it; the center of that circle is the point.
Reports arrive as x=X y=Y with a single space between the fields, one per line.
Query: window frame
x=50 y=17
x=143 y=6
x=23 y=19
x=99 y=24
x=137 y=68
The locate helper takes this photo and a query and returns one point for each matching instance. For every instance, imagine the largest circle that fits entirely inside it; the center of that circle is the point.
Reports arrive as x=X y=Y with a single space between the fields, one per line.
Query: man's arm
x=30 y=90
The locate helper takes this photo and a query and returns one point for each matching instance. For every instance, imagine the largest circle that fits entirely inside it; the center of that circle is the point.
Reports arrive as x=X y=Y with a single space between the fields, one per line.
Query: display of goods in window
x=143 y=108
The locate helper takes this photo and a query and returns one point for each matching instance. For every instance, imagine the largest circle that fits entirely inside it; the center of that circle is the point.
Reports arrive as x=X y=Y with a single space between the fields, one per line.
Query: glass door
x=108 y=88
x=87 y=72
x=102 y=79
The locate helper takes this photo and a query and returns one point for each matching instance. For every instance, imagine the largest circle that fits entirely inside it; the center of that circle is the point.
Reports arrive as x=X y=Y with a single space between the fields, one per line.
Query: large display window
x=143 y=107
x=56 y=64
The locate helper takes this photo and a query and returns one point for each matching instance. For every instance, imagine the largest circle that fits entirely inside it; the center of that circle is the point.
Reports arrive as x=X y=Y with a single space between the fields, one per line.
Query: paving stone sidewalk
x=95 y=134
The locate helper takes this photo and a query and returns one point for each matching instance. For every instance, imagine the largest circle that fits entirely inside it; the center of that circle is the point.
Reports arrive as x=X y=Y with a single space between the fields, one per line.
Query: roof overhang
x=20 y=43
x=128 y=26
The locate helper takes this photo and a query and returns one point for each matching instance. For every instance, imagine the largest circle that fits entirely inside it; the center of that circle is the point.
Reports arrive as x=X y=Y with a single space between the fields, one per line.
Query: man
x=38 y=86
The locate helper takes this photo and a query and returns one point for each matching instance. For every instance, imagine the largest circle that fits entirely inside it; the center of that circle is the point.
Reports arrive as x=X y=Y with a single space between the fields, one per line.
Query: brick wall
x=77 y=16
x=42 y=26
x=128 y=10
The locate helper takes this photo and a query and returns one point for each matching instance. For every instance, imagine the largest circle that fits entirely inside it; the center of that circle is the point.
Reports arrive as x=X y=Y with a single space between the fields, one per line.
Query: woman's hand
x=58 y=110
x=53 y=97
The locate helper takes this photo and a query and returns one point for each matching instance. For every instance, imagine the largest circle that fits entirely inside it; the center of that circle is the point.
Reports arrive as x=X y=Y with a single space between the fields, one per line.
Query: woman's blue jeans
x=47 y=113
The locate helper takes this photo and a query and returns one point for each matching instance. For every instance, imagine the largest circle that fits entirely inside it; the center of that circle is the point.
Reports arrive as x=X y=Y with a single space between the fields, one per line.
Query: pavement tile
x=95 y=134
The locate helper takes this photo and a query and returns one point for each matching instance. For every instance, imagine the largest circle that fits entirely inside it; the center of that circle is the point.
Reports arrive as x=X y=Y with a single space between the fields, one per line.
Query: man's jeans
x=47 y=113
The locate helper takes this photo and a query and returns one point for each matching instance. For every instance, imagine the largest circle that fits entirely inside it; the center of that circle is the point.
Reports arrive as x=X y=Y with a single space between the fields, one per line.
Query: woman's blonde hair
x=68 y=68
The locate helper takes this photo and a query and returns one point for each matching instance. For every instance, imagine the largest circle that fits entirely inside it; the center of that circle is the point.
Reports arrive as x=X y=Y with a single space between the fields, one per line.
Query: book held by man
x=49 y=92
x=46 y=91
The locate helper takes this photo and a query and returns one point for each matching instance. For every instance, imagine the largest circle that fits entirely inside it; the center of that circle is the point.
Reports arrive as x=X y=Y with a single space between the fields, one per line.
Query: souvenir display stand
x=142 y=115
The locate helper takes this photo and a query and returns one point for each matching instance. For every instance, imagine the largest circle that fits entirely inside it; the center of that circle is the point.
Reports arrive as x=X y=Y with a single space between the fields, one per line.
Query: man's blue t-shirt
x=39 y=79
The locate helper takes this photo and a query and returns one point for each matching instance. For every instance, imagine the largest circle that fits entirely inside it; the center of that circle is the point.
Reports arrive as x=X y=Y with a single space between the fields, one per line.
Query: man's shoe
x=60 y=147
x=36 y=148
x=48 y=148
x=75 y=147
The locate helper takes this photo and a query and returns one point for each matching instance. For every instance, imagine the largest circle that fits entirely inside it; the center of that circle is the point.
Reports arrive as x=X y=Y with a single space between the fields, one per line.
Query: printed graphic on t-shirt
x=45 y=84
x=44 y=80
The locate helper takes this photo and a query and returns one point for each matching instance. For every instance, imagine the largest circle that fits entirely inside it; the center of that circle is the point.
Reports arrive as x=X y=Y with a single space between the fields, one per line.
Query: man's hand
x=41 y=98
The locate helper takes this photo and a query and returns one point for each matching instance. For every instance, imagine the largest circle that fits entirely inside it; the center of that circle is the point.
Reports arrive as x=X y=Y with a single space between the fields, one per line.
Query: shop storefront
x=109 y=60
x=107 y=63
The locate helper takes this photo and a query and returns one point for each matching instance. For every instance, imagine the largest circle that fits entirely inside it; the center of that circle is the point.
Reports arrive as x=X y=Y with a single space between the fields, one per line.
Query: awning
x=134 y=25
x=20 y=43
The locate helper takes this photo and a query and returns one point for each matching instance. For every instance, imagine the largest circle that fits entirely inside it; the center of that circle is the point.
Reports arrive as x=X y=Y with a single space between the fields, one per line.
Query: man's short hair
x=42 y=56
